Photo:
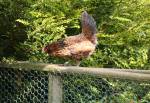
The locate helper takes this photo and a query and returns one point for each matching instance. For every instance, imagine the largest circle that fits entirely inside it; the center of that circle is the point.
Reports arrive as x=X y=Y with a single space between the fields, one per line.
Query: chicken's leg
x=77 y=63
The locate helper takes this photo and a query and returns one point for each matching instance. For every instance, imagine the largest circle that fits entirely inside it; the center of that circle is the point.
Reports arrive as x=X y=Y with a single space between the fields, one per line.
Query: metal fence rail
x=25 y=82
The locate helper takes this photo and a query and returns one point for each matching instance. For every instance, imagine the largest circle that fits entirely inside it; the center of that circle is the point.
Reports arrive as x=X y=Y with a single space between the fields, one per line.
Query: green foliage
x=44 y=29
x=11 y=32
x=45 y=24
x=123 y=29
x=124 y=40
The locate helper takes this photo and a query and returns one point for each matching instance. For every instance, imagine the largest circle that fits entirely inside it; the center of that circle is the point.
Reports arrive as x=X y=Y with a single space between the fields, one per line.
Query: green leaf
x=123 y=19
x=25 y=22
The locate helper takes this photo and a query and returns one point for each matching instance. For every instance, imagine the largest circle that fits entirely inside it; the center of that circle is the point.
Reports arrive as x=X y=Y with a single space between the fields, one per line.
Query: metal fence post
x=54 y=89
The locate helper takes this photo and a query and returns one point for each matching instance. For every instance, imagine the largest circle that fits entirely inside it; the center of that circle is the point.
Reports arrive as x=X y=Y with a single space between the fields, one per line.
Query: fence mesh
x=21 y=86
x=18 y=86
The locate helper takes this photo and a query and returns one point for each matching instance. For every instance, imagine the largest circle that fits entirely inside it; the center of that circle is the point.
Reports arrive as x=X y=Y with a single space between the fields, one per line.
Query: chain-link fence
x=36 y=86
x=18 y=86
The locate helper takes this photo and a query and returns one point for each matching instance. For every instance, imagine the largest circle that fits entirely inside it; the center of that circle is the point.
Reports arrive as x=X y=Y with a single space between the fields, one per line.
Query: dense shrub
x=123 y=29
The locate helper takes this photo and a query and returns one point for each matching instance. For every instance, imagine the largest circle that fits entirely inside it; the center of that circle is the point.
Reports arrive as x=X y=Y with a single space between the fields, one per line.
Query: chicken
x=79 y=46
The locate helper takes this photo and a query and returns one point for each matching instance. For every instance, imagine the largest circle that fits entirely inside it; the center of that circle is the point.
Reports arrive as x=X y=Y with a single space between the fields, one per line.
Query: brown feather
x=78 y=46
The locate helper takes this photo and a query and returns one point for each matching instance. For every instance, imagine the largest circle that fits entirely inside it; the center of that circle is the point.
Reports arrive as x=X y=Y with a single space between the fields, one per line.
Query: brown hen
x=79 y=46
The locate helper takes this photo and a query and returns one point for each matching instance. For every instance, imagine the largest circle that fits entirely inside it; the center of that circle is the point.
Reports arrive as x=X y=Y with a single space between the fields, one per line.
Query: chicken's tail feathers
x=88 y=24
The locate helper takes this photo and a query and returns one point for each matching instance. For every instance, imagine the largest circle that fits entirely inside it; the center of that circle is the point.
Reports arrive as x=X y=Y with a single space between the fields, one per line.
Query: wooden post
x=54 y=89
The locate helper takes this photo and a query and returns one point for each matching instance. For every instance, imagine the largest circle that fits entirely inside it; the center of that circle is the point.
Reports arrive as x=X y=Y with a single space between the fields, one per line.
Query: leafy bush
x=123 y=30
x=124 y=39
